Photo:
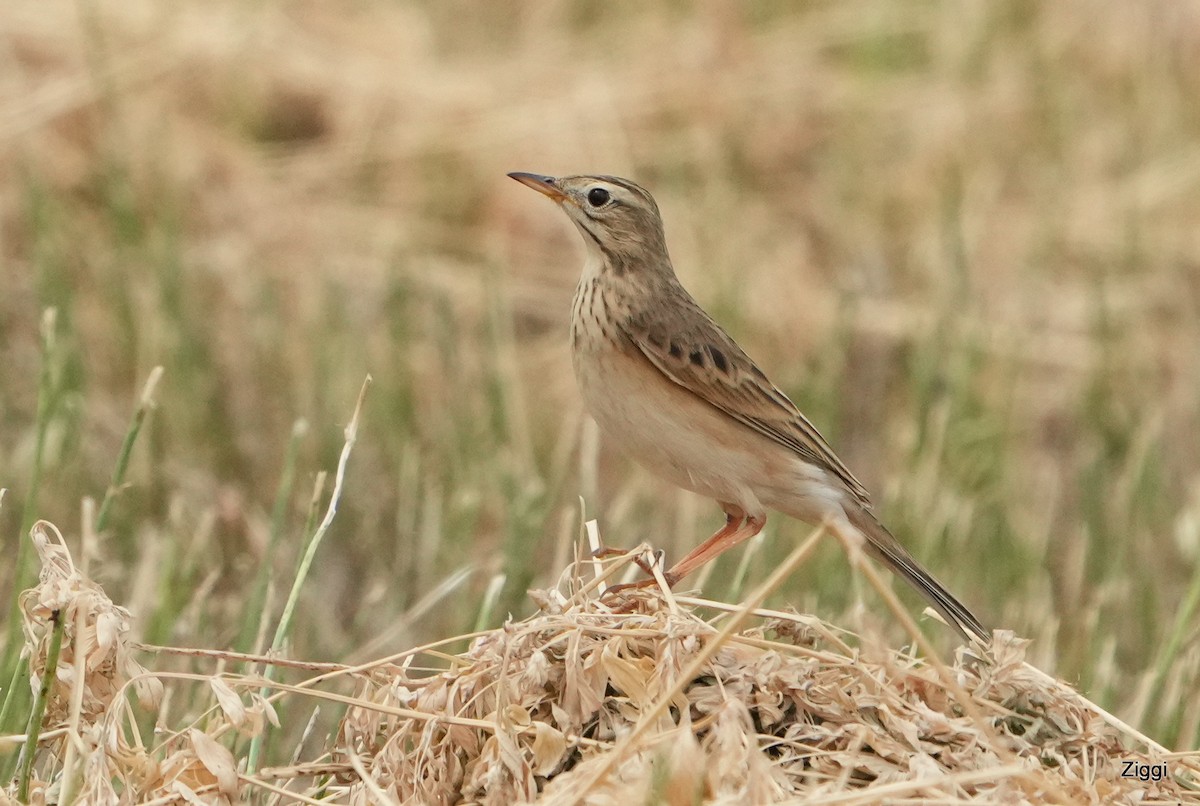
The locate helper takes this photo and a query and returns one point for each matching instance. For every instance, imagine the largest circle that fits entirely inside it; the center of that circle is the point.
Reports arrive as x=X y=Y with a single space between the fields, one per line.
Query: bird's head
x=618 y=219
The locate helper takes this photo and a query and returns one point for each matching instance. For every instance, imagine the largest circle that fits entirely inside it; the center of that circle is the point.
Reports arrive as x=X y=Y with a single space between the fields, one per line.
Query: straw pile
x=549 y=709
x=589 y=702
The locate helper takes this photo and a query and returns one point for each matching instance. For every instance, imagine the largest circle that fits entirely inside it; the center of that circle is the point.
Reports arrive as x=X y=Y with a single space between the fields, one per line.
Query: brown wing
x=703 y=359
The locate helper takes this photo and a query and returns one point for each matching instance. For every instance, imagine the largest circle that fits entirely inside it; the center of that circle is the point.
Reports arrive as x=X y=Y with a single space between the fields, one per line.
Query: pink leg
x=738 y=528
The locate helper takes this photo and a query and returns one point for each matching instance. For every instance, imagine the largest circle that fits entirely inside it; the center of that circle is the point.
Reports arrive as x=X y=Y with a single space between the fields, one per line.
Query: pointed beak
x=542 y=184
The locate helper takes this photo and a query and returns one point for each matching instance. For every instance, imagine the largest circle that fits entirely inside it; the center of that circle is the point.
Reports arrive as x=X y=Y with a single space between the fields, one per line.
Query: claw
x=605 y=552
x=624 y=587
x=642 y=584
x=622 y=591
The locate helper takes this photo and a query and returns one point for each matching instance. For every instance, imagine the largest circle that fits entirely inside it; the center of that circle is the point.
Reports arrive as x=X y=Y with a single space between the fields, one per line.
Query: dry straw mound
x=647 y=698
x=551 y=709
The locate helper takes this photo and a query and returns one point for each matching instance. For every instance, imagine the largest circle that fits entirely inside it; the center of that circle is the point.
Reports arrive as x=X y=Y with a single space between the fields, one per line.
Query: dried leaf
x=217 y=759
x=549 y=747
x=231 y=704
x=630 y=676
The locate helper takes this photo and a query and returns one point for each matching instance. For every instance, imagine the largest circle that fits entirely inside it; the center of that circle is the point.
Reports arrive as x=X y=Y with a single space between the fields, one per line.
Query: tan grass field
x=962 y=236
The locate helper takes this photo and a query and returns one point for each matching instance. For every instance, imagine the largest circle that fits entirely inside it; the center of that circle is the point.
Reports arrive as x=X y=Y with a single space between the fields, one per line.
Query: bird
x=671 y=389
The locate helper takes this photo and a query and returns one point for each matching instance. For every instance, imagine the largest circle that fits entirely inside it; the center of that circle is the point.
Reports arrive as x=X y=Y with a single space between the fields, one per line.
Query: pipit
x=669 y=387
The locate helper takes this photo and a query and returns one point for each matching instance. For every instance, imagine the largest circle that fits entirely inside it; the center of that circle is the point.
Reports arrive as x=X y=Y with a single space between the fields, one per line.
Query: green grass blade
x=145 y=406
x=283 y=495
x=314 y=543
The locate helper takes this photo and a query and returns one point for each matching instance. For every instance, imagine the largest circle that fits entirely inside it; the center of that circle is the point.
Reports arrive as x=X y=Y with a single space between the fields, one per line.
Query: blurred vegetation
x=961 y=235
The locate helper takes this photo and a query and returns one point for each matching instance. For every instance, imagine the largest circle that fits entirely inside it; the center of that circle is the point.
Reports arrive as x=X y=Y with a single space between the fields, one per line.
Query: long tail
x=884 y=547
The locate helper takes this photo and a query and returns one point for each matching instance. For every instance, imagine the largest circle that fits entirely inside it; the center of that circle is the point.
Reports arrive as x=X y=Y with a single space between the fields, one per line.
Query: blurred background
x=961 y=236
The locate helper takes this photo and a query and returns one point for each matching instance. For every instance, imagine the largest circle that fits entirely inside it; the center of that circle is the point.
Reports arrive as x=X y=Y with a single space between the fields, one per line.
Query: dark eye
x=598 y=197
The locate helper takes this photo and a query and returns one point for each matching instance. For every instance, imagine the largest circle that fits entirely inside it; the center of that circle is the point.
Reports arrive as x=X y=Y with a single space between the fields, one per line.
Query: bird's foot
x=639 y=560
x=621 y=596
x=622 y=591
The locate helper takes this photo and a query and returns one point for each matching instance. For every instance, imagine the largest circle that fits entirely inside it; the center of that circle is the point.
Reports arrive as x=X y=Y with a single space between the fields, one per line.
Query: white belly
x=684 y=440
